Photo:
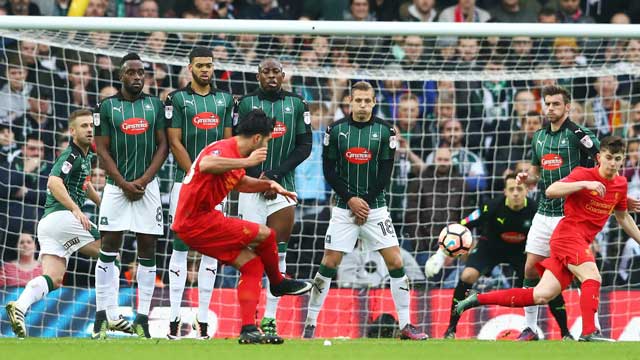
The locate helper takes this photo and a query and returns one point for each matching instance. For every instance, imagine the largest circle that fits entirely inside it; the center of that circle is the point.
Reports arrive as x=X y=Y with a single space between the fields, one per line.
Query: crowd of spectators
x=457 y=138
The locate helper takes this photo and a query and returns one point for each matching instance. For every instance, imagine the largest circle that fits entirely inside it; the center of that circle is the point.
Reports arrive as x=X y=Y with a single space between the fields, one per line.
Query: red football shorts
x=565 y=252
x=221 y=237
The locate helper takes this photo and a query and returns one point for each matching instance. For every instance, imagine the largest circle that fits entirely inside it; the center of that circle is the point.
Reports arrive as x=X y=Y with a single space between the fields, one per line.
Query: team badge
x=96 y=119
x=66 y=167
x=168 y=111
x=307 y=117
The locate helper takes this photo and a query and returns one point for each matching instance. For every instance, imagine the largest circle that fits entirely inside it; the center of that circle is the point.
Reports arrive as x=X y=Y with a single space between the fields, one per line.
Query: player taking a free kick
x=247 y=246
x=591 y=196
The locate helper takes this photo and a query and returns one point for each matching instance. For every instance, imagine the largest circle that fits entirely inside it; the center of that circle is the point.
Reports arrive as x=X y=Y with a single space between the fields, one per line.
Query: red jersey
x=585 y=211
x=202 y=192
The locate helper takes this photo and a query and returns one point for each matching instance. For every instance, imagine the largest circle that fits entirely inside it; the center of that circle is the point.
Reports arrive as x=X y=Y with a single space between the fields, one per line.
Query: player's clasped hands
x=257 y=157
x=132 y=190
x=360 y=209
x=596 y=186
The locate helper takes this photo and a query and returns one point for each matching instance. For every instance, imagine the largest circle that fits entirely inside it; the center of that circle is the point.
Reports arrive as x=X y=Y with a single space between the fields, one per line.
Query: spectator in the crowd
x=464 y=11
x=81 y=88
x=414 y=54
x=420 y=10
x=620 y=18
x=149 y=9
x=409 y=122
x=445 y=110
x=53 y=7
x=434 y=199
x=519 y=148
x=630 y=84
x=631 y=168
x=524 y=102
x=8 y=143
x=224 y=9
x=100 y=39
x=106 y=92
x=515 y=11
x=634 y=123
x=38 y=120
x=569 y=12
x=522 y=54
x=359 y=10
x=261 y=10
x=325 y=9
x=22 y=7
x=469 y=163
x=468 y=50
x=566 y=54
x=25 y=268
x=14 y=94
x=245 y=48
x=156 y=42
x=607 y=113
x=96 y=8
x=320 y=46
x=577 y=113
x=547 y=15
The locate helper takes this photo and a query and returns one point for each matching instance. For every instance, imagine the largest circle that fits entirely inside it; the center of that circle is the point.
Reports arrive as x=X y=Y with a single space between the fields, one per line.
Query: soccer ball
x=455 y=240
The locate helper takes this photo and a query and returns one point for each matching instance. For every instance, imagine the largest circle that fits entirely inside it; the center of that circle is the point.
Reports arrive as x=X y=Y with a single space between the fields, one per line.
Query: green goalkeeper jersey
x=131 y=127
x=292 y=119
x=74 y=168
x=202 y=119
x=357 y=149
x=556 y=154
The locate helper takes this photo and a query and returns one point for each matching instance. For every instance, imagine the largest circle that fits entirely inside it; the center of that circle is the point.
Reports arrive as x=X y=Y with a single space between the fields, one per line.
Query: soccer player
x=197 y=115
x=289 y=147
x=247 y=246
x=505 y=222
x=591 y=194
x=64 y=229
x=557 y=149
x=357 y=162
x=132 y=145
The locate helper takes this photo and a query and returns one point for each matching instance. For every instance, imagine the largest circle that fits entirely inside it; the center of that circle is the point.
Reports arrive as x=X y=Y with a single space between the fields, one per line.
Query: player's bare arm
x=180 y=154
x=249 y=184
x=131 y=191
x=59 y=191
x=218 y=165
x=162 y=151
x=528 y=178
x=628 y=224
x=93 y=195
x=561 y=189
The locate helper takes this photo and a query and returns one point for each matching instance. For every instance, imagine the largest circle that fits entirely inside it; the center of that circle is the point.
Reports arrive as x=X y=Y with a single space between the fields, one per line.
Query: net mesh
x=479 y=93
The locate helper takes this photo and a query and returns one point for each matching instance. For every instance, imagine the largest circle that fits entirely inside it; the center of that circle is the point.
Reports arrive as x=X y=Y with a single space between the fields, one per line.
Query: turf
x=70 y=348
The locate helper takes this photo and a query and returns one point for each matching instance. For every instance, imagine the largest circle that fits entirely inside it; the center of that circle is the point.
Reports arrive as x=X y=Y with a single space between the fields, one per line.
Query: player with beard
x=290 y=146
x=197 y=115
x=132 y=145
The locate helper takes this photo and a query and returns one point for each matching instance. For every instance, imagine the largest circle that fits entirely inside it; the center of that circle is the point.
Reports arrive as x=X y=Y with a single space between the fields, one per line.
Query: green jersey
x=202 y=119
x=357 y=148
x=74 y=168
x=292 y=119
x=131 y=127
x=556 y=154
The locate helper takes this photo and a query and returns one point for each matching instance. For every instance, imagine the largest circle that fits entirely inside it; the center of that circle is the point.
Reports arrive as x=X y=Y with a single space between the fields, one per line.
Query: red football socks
x=268 y=252
x=249 y=290
x=516 y=297
x=589 y=300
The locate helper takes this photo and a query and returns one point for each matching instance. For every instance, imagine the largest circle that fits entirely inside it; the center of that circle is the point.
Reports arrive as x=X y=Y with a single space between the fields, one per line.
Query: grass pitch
x=361 y=349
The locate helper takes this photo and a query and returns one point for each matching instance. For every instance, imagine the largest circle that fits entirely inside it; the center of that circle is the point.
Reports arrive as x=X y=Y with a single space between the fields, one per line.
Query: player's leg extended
x=400 y=292
x=321 y=285
x=53 y=269
x=281 y=222
x=589 y=276
x=106 y=271
x=146 y=278
x=469 y=276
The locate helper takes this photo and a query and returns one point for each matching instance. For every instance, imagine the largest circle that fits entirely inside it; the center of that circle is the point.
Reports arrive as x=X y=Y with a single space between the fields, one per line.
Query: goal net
x=478 y=95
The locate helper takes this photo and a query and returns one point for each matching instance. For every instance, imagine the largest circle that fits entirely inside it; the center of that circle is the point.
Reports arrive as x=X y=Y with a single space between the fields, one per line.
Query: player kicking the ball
x=64 y=229
x=591 y=196
x=247 y=246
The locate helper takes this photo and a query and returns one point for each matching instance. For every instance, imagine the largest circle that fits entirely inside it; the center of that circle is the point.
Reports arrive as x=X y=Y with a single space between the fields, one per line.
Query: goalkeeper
x=504 y=222
x=64 y=229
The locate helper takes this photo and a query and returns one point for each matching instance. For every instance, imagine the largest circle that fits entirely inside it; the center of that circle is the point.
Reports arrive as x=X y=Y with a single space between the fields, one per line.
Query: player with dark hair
x=591 y=195
x=357 y=162
x=132 y=145
x=289 y=147
x=504 y=223
x=197 y=115
x=247 y=246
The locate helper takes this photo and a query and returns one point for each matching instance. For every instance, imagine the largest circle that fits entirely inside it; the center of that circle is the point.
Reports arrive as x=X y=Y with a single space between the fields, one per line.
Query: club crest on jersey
x=358 y=155
x=168 y=111
x=287 y=109
x=206 y=120
x=279 y=130
x=148 y=107
x=66 y=167
x=96 y=119
x=134 y=126
x=587 y=142
x=551 y=162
